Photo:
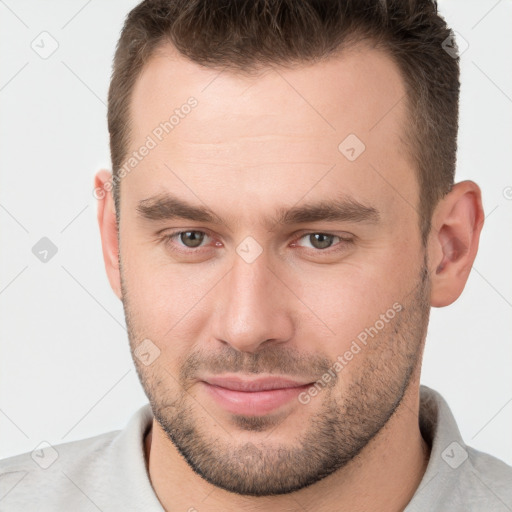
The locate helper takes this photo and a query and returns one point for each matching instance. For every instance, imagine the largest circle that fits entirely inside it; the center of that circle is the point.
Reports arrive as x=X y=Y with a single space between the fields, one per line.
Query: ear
x=108 y=228
x=453 y=241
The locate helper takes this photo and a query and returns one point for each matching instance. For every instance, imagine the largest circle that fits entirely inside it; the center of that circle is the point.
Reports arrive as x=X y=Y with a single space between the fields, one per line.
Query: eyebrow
x=165 y=206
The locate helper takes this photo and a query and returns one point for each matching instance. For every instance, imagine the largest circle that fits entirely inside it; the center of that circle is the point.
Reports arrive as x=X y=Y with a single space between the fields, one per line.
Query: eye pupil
x=191 y=238
x=320 y=241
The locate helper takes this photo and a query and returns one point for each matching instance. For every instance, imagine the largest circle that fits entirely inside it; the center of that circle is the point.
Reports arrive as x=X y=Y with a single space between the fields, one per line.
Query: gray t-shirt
x=108 y=472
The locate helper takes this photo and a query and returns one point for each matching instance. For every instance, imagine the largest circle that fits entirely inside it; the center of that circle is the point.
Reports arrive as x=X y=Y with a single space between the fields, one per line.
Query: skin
x=251 y=146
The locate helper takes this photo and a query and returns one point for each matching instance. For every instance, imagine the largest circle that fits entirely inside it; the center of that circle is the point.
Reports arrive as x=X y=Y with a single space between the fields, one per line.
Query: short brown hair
x=244 y=35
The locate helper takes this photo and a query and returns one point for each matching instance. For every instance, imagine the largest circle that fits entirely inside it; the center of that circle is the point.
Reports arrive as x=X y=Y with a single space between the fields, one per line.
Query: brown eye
x=191 y=239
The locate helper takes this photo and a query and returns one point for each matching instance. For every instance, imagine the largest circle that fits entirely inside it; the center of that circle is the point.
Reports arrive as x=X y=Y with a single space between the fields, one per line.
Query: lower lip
x=253 y=403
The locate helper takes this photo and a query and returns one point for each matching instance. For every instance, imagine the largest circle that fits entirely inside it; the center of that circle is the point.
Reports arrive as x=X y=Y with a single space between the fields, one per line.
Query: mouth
x=253 y=397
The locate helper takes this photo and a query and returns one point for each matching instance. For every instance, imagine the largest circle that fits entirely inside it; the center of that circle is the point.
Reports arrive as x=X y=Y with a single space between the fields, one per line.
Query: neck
x=383 y=476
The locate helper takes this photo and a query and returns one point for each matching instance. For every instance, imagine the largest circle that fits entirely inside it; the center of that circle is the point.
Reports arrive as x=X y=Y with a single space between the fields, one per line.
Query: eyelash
x=167 y=239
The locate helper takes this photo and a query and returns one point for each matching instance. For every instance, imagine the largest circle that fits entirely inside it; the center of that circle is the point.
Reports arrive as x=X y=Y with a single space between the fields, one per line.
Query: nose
x=254 y=307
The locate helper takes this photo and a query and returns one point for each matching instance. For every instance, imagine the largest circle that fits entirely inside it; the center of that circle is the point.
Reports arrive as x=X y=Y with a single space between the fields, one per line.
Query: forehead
x=362 y=84
x=284 y=126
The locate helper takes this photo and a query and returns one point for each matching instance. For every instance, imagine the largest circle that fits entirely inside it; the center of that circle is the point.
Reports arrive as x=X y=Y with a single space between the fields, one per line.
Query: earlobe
x=108 y=229
x=453 y=242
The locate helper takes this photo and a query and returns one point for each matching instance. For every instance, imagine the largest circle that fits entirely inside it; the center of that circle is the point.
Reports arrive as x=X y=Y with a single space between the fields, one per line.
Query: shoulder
x=481 y=483
x=488 y=478
x=104 y=472
x=51 y=475
x=458 y=476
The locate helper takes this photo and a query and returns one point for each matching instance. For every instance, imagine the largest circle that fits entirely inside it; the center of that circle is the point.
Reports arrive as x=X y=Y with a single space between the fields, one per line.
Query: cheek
x=167 y=300
x=348 y=298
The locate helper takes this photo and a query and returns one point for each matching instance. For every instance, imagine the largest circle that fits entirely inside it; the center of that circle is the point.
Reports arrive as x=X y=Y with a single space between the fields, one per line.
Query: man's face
x=251 y=292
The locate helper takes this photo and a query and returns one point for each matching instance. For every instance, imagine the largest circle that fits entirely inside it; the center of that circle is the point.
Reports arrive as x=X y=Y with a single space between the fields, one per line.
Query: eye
x=323 y=241
x=188 y=239
x=191 y=241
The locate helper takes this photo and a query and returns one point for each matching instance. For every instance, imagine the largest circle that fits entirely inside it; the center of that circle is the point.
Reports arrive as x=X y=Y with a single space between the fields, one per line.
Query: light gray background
x=65 y=367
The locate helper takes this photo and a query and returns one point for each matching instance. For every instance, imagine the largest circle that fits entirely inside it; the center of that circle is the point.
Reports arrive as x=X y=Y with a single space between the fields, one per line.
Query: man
x=281 y=217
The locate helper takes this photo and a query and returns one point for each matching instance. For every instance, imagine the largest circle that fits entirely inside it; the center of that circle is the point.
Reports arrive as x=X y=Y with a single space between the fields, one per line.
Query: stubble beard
x=349 y=415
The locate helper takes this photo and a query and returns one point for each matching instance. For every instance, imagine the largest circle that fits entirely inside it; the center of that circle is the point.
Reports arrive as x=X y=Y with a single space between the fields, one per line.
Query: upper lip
x=262 y=384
